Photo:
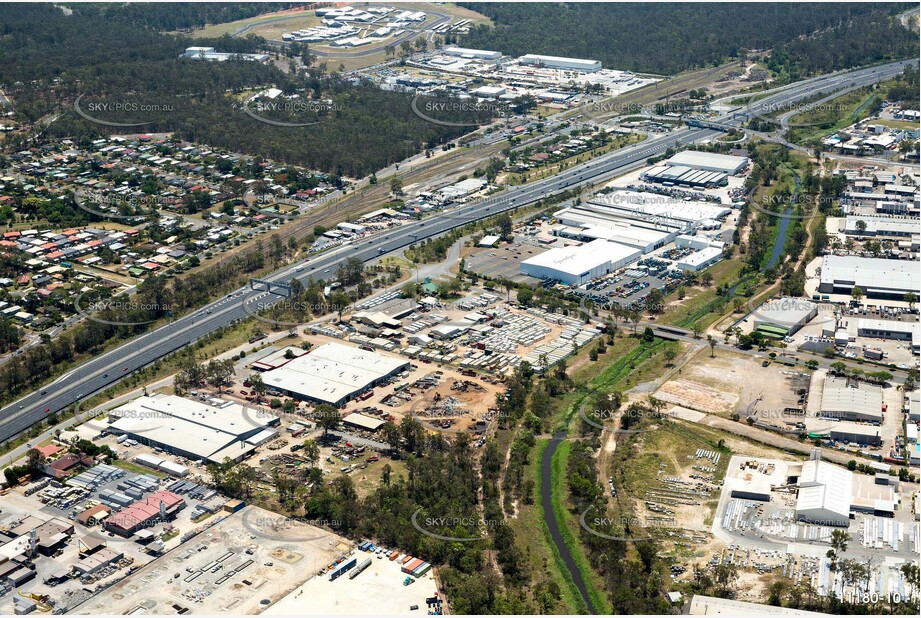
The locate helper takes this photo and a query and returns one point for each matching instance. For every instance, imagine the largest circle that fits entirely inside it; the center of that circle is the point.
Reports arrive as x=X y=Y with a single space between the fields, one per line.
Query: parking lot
x=505 y=262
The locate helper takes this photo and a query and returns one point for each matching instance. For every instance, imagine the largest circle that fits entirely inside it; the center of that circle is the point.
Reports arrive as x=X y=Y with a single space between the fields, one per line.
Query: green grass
x=132 y=467
x=834 y=115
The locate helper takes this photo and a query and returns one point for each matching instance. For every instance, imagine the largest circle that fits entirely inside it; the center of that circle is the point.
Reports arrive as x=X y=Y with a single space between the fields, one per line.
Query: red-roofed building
x=146 y=512
x=67 y=465
x=49 y=450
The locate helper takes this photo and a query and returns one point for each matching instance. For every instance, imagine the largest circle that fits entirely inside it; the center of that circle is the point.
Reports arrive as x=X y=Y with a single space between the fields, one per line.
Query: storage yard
x=94 y=528
x=241 y=565
x=382 y=584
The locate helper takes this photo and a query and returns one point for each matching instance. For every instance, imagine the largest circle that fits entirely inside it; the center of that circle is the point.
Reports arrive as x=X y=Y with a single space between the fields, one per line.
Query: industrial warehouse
x=210 y=432
x=333 y=374
x=782 y=317
x=822 y=493
x=693 y=168
x=577 y=265
x=876 y=277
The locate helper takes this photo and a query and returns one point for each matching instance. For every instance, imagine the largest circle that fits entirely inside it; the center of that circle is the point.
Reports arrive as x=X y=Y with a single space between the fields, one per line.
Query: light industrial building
x=660 y=211
x=194 y=429
x=684 y=176
x=209 y=53
x=588 y=222
x=851 y=402
x=579 y=264
x=862 y=225
x=824 y=495
x=891 y=329
x=847 y=432
x=158 y=507
x=472 y=54
x=699 y=260
x=333 y=373
x=566 y=64
x=709 y=161
x=876 y=277
x=782 y=317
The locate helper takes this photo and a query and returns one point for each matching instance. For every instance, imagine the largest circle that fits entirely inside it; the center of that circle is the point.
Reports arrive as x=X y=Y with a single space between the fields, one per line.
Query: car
x=124 y=369
x=299 y=269
x=105 y=375
x=44 y=393
x=47 y=410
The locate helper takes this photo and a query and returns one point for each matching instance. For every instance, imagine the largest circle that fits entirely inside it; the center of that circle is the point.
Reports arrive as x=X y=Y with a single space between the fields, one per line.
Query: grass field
x=835 y=115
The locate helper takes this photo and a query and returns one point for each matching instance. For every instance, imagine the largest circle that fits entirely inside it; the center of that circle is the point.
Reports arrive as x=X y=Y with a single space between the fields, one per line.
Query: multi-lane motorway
x=106 y=369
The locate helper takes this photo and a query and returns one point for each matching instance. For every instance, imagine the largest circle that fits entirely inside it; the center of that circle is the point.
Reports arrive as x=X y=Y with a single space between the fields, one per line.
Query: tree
x=218 y=372
x=856 y=294
x=327 y=418
x=310 y=451
x=391 y=435
x=505 y=227
x=839 y=541
x=257 y=386
x=670 y=355
x=712 y=346
x=351 y=272
x=911 y=298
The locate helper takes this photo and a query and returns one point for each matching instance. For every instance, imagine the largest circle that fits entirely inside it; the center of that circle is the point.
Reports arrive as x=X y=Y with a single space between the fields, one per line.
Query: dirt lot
x=730 y=383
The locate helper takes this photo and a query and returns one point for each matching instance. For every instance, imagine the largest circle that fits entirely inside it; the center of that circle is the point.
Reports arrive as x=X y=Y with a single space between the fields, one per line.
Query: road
x=105 y=370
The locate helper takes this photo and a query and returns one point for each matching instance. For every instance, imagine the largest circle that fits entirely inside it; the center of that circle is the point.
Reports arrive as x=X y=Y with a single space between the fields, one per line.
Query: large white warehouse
x=194 y=429
x=576 y=265
x=876 y=277
x=587 y=222
x=476 y=54
x=333 y=373
x=556 y=62
x=659 y=210
x=710 y=161
x=824 y=494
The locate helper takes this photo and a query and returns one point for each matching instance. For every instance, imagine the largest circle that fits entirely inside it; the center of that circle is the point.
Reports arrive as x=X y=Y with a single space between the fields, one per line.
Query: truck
x=361 y=567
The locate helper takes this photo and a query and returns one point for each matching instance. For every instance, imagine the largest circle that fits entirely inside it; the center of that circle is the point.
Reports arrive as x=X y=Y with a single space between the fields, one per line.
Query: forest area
x=667 y=38
x=51 y=59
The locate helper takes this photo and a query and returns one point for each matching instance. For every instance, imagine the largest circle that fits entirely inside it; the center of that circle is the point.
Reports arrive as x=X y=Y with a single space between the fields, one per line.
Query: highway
x=105 y=370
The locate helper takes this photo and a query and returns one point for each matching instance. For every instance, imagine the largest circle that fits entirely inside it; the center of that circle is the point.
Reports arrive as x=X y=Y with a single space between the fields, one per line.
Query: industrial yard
x=241 y=565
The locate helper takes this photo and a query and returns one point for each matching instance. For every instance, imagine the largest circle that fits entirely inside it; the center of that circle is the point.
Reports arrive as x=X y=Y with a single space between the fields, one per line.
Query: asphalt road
x=105 y=370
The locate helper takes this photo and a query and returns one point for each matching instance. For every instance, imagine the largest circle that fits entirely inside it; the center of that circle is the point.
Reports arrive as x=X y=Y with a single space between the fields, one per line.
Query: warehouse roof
x=825 y=486
x=883 y=226
x=871 y=273
x=363 y=422
x=333 y=372
x=202 y=430
x=786 y=311
x=838 y=396
x=701 y=257
x=579 y=260
x=655 y=205
x=705 y=160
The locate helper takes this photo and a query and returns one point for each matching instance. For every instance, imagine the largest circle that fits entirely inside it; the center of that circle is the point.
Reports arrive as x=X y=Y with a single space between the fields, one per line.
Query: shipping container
x=361 y=567
x=412 y=565
x=342 y=569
